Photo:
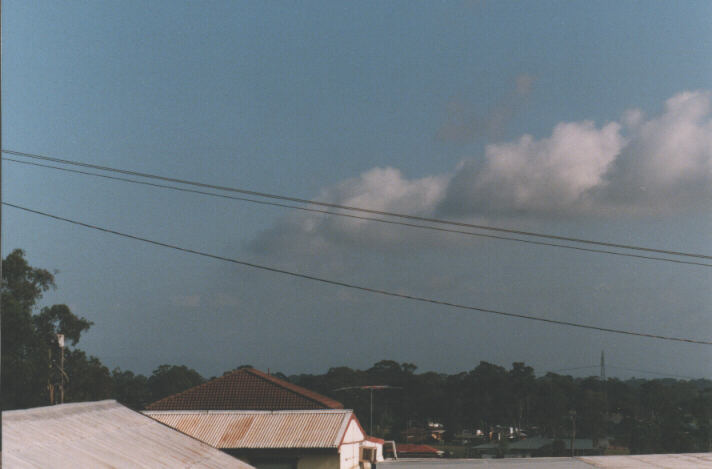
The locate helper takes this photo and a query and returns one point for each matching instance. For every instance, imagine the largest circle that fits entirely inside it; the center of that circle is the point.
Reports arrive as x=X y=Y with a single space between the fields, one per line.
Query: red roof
x=407 y=448
x=246 y=389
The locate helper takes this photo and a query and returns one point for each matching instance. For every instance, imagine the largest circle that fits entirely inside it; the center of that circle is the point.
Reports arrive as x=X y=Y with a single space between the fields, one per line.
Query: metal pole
x=573 y=433
x=61 y=372
x=0 y=198
x=371 y=430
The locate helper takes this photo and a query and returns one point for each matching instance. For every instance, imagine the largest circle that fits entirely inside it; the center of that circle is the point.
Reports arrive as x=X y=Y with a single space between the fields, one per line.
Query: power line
x=361 y=287
x=575 y=368
x=358 y=217
x=635 y=370
x=352 y=208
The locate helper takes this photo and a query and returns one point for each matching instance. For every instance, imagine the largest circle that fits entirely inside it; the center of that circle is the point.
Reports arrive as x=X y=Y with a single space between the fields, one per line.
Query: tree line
x=660 y=415
x=645 y=416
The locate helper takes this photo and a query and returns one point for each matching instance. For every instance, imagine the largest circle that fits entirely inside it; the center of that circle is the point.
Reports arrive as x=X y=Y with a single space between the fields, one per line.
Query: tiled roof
x=260 y=429
x=407 y=448
x=246 y=389
x=101 y=434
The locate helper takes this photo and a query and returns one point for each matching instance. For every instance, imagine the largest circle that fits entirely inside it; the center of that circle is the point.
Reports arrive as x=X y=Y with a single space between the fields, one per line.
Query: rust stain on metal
x=260 y=429
x=236 y=430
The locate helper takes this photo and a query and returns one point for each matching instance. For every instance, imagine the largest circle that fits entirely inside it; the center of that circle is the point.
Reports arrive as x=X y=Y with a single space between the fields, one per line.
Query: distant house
x=101 y=434
x=269 y=422
x=536 y=447
x=289 y=439
x=431 y=433
x=408 y=450
x=246 y=389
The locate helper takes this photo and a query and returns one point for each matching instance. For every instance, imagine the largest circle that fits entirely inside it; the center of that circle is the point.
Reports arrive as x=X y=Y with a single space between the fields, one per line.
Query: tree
x=172 y=379
x=130 y=389
x=30 y=351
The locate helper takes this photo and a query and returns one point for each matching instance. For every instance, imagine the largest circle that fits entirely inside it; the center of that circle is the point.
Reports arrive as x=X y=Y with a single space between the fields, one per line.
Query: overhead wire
x=354 y=286
x=353 y=208
x=357 y=217
x=623 y=368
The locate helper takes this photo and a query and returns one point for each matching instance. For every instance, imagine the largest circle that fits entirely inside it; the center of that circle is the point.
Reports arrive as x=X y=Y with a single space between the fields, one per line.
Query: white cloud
x=636 y=166
x=550 y=174
x=668 y=162
x=383 y=189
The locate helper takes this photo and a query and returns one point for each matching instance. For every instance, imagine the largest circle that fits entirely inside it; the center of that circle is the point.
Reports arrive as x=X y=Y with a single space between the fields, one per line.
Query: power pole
x=371 y=388
x=0 y=195
x=603 y=368
x=572 y=413
x=370 y=427
x=603 y=382
x=60 y=342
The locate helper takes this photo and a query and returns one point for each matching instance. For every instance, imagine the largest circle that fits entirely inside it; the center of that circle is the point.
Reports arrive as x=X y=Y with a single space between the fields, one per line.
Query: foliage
x=171 y=379
x=663 y=415
x=31 y=355
x=647 y=416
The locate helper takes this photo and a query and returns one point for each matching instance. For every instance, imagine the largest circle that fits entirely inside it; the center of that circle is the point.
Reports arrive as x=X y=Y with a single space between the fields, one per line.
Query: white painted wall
x=349 y=455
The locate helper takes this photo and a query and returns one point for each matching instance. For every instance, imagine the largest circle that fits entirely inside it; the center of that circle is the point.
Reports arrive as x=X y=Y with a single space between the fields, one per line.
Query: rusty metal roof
x=261 y=429
x=246 y=389
x=101 y=434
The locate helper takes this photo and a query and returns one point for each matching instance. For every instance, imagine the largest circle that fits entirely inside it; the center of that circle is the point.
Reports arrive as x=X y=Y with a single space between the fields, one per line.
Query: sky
x=584 y=119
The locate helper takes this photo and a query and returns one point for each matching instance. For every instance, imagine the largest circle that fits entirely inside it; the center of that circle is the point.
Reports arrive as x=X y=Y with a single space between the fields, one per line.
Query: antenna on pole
x=603 y=367
x=603 y=382
x=371 y=387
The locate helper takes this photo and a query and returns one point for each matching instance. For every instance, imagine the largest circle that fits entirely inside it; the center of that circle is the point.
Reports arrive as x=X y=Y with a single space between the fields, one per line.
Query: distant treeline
x=662 y=415
x=646 y=416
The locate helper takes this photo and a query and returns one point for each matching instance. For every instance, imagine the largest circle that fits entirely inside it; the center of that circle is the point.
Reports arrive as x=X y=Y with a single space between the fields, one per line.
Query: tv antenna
x=370 y=387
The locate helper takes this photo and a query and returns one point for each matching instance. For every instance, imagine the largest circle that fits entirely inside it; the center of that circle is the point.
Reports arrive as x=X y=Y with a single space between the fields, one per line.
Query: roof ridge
x=197 y=386
x=292 y=388
x=240 y=411
x=295 y=388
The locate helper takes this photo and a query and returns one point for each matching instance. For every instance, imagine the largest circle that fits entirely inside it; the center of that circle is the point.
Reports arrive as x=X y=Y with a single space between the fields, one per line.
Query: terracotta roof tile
x=408 y=448
x=246 y=389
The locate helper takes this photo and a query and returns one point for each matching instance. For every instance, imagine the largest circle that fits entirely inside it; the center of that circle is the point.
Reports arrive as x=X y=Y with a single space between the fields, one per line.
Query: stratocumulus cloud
x=635 y=166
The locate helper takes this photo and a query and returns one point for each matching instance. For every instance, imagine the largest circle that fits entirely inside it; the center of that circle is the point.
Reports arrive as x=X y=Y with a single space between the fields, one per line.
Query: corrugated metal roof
x=640 y=461
x=101 y=434
x=260 y=429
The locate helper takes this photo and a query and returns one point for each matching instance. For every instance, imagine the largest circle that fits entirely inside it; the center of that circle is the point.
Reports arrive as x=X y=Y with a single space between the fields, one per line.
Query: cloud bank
x=635 y=166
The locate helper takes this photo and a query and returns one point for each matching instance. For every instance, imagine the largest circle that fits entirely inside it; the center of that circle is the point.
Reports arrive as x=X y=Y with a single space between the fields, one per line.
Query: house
x=536 y=447
x=102 y=434
x=269 y=422
x=408 y=450
x=289 y=439
x=424 y=435
x=246 y=389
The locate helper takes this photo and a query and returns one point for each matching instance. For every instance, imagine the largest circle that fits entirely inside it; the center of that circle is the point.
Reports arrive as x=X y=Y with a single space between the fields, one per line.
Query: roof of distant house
x=246 y=389
x=408 y=448
x=240 y=429
x=536 y=443
x=101 y=434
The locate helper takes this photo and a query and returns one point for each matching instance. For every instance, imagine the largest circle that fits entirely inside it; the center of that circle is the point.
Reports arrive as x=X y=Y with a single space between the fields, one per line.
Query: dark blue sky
x=588 y=119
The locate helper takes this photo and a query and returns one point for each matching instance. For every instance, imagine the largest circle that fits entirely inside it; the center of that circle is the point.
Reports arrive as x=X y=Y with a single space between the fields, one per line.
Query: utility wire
x=669 y=375
x=358 y=217
x=575 y=368
x=361 y=287
x=635 y=370
x=352 y=208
